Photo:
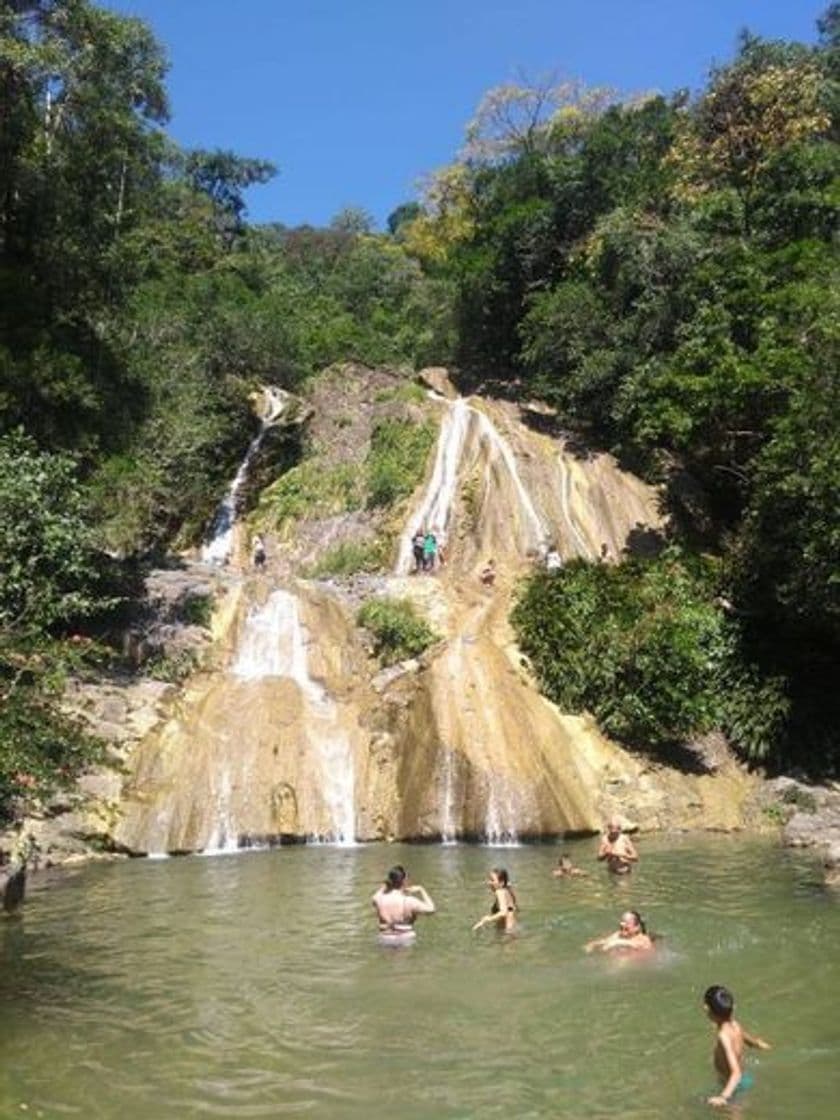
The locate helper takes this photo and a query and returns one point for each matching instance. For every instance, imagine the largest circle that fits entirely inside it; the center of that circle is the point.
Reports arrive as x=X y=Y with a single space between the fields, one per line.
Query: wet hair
x=565 y=860
x=504 y=881
x=719 y=1001
x=395 y=877
x=638 y=919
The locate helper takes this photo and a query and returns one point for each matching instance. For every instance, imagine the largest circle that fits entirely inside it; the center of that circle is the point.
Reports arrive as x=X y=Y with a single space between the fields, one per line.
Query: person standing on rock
x=258 y=551
x=617 y=849
x=397 y=906
x=417 y=547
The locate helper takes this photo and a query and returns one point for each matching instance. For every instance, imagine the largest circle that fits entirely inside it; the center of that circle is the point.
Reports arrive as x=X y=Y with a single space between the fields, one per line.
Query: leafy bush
x=396 y=461
x=42 y=750
x=645 y=647
x=350 y=557
x=398 y=632
x=312 y=490
x=49 y=571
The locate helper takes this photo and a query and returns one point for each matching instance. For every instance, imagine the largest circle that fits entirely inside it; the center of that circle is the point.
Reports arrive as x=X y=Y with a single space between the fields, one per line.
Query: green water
x=253 y=986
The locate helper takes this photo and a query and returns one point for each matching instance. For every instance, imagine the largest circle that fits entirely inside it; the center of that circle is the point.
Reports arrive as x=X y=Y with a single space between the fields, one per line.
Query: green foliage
x=397 y=631
x=352 y=557
x=646 y=649
x=396 y=461
x=49 y=571
x=175 y=667
x=409 y=392
x=311 y=490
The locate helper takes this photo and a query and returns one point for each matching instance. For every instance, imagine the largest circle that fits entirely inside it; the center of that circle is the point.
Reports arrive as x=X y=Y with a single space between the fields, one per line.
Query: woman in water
x=631 y=934
x=397 y=905
x=503 y=911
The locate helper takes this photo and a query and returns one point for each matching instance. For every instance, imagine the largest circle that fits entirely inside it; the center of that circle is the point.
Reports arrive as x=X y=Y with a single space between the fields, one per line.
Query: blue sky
x=355 y=99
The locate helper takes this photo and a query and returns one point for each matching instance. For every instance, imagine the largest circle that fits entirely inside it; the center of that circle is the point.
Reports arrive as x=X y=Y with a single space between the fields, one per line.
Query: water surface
x=252 y=986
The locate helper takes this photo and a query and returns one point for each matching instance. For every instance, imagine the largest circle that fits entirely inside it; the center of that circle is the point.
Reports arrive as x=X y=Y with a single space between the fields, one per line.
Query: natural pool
x=252 y=986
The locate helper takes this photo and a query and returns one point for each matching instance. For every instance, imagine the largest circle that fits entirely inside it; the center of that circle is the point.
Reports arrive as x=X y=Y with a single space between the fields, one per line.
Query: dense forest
x=661 y=270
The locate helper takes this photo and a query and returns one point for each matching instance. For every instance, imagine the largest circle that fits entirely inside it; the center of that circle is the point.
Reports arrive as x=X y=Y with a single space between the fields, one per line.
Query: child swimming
x=565 y=869
x=729 y=1047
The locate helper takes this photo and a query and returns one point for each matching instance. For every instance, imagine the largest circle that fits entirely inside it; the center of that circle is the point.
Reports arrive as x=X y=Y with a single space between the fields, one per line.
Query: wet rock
x=437 y=379
x=831 y=864
x=709 y=753
x=12 y=887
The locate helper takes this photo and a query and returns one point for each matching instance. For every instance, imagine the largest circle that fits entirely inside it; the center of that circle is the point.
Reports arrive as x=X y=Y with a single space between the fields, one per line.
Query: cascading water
x=435 y=509
x=219 y=543
x=502 y=448
x=448 y=836
x=274 y=645
x=580 y=546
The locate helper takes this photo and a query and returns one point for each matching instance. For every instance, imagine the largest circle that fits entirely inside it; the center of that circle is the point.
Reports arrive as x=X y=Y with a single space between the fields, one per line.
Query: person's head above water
x=395 y=877
x=719 y=1002
x=630 y=923
x=564 y=862
x=499 y=877
x=613 y=827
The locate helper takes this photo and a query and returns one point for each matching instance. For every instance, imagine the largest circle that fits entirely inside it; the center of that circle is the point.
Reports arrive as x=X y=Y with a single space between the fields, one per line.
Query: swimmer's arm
x=488 y=920
x=628 y=851
x=598 y=942
x=735 y=1071
x=754 y=1041
x=605 y=849
x=422 y=903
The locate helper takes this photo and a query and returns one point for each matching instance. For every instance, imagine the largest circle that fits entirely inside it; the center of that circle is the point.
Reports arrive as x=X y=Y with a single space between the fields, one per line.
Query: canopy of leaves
x=645 y=648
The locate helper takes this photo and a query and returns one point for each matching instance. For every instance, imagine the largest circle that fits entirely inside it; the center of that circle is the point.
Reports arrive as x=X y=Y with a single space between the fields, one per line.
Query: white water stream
x=435 y=508
x=274 y=645
x=217 y=548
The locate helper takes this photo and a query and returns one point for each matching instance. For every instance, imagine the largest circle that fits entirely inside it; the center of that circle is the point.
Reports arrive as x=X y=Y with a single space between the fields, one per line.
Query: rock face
x=813 y=820
x=297 y=734
x=12 y=888
x=291 y=731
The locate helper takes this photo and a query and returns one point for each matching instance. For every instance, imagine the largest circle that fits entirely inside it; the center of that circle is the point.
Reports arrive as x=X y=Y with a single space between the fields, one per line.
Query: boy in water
x=565 y=869
x=729 y=1047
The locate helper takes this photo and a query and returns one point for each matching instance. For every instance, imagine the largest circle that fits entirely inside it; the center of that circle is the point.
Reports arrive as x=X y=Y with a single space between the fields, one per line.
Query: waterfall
x=503 y=449
x=436 y=507
x=448 y=825
x=502 y=811
x=565 y=506
x=219 y=543
x=274 y=645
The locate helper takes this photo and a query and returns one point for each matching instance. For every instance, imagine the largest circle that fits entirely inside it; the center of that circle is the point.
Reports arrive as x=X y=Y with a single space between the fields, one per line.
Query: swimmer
x=565 y=869
x=617 y=849
x=631 y=934
x=729 y=1046
x=503 y=911
x=397 y=906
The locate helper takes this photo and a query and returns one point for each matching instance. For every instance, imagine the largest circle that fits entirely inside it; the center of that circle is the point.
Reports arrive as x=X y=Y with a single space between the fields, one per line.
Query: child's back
x=729 y=1045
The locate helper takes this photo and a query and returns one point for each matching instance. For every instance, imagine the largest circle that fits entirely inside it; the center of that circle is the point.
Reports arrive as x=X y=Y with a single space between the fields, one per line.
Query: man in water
x=617 y=849
x=397 y=905
x=728 y=1057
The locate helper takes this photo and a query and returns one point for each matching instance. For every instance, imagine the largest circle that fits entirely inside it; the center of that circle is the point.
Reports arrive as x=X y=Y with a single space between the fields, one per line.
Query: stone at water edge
x=12 y=887
x=831 y=864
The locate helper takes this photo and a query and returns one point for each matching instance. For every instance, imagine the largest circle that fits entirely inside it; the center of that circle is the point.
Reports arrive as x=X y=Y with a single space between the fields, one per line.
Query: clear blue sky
x=355 y=99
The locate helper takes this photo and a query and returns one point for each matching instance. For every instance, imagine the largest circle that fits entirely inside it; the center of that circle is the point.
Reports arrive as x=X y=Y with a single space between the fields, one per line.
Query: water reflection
x=253 y=986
